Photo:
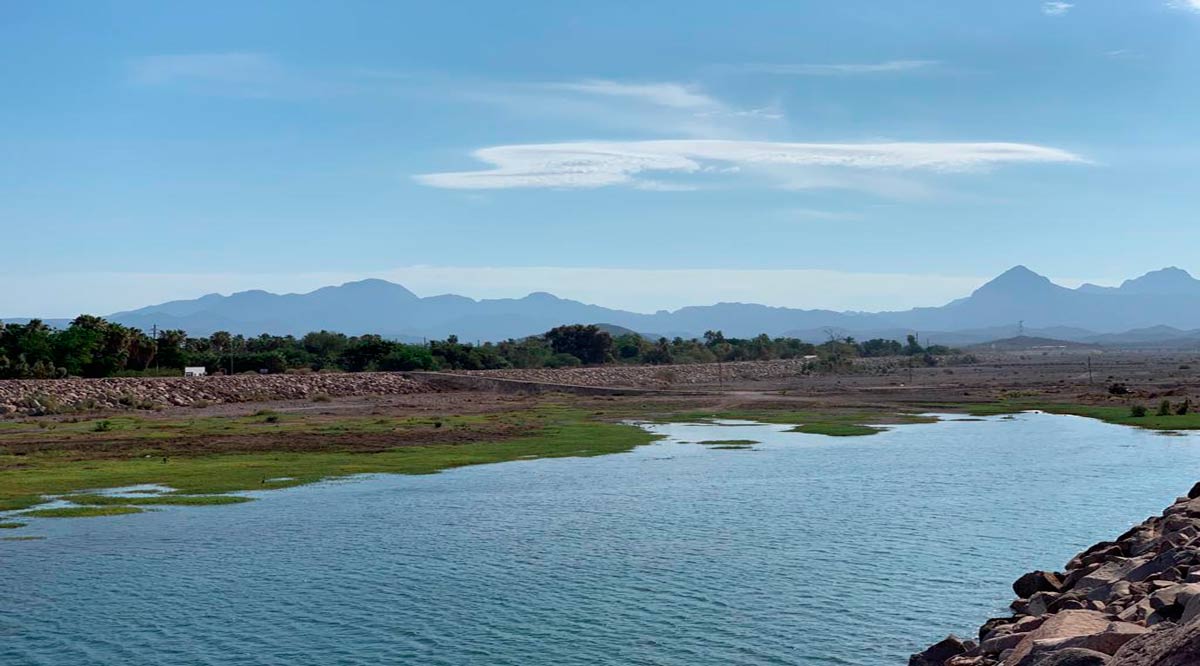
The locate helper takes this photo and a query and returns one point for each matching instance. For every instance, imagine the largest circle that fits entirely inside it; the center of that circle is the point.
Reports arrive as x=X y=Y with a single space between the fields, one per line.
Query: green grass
x=1116 y=414
x=82 y=511
x=729 y=442
x=14 y=502
x=11 y=526
x=160 y=500
x=837 y=429
x=564 y=433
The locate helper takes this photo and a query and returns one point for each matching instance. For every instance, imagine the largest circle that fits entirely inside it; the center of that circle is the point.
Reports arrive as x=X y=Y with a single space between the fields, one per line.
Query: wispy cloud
x=600 y=164
x=657 y=107
x=1056 y=8
x=1189 y=5
x=838 y=69
x=674 y=95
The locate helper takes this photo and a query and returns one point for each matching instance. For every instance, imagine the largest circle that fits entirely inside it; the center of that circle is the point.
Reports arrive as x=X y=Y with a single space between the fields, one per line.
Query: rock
x=1037 y=581
x=1175 y=595
x=1175 y=645
x=1195 y=491
x=1191 y=611
x=938 y=653
x=1064 y=624
x=1111 y=572
x=1070 y=657
x=994 y=624
x=1106 y=642
x=1040 y=602
x=1001 y=643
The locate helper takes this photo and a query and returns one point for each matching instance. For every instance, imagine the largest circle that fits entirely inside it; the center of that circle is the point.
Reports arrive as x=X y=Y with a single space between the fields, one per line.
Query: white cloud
x=1056 y=8
x=839 y=69
x=599 y=164
x=672 y=95
x=1190 y=5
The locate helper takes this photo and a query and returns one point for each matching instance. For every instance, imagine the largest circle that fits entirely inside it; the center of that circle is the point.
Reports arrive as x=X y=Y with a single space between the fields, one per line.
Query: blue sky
x=858 y=155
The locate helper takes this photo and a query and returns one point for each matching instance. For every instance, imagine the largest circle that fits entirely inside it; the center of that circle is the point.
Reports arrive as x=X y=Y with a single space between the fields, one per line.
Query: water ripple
x=813 y=551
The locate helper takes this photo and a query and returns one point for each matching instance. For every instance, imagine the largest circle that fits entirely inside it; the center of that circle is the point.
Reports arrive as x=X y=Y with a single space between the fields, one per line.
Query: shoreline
x=1132 y=601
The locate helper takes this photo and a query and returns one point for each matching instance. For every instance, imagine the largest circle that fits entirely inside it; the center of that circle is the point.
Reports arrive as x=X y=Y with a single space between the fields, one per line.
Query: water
x=805 y=550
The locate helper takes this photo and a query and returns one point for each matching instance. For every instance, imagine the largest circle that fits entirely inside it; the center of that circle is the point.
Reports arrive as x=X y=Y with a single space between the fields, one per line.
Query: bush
x=1184 y=407
x=563 y=361
x=1137 y=411
x=321 y=397
x=1117 y=388
x=1164 y=408
x=102 y=426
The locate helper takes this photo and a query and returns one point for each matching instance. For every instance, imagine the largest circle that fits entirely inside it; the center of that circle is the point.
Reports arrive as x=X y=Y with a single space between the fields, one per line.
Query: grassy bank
x=1115 y=414
x=557 y=432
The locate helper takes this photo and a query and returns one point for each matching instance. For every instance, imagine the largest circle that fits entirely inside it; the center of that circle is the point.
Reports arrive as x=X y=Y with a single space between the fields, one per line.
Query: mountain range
x=1161 y=307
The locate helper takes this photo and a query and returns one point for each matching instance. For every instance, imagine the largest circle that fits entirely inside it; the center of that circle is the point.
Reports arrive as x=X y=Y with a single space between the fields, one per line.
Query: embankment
x=656 y=376
x=1134 y=601
x=43 y=396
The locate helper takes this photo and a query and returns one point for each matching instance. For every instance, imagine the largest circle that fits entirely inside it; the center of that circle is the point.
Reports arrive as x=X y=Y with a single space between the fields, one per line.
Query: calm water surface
x=805 y=550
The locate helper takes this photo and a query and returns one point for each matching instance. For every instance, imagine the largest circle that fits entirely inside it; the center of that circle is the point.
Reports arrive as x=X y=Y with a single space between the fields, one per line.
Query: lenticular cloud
x=600 y=164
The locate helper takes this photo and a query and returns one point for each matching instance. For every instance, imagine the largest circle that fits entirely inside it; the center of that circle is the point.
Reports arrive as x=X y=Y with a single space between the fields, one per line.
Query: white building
x=197 y=371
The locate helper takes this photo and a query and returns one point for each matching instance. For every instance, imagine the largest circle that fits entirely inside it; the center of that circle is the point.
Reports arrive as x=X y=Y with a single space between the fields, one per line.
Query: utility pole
x=1089 y=369
x=155 y=329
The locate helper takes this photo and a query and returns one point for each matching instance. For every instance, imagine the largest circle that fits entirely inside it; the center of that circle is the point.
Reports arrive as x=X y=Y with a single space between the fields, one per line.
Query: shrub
x=1164 y=408
x=102 y=426
x=1137 y=411
x=1117 y=388
x=321 y=397
x=1184 y=407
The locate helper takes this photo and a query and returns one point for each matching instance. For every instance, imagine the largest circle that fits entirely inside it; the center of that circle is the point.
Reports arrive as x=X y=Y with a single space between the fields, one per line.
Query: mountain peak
x=1165 y=280
x=1016 y=279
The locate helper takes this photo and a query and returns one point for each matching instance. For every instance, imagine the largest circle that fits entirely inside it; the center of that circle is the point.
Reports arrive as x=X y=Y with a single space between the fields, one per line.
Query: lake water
x=804 y=550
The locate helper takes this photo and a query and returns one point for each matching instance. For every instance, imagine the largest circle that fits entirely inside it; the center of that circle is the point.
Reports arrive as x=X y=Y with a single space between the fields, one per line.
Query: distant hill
x=1151 y=309
x=1031 y=343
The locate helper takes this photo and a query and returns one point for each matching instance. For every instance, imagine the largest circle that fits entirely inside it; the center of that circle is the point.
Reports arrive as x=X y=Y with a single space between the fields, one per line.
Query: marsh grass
x=563 y=432
x=11 y=526
x=81 y=511
x=1116 y=414
x=159 y=500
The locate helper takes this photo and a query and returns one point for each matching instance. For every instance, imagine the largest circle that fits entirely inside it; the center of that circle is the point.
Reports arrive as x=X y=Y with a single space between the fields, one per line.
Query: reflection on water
x=800 y=550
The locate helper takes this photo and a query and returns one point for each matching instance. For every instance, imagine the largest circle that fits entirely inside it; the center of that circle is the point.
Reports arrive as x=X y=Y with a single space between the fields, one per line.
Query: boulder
x=1065 y=624
x=1173 y=645
x=1037 y=581
x=938 y=653
x=1040 y=602
x=1070 y=657
x=1106 y=642
x=1001 y=643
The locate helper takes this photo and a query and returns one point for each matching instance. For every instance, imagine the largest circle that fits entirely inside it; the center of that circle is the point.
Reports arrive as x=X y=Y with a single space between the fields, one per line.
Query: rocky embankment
x=47 y=396
x=1130 y=602
x=655 y=376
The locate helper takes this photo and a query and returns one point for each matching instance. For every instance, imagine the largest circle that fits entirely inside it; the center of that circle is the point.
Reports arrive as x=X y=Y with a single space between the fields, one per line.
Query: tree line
x=93 y=347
